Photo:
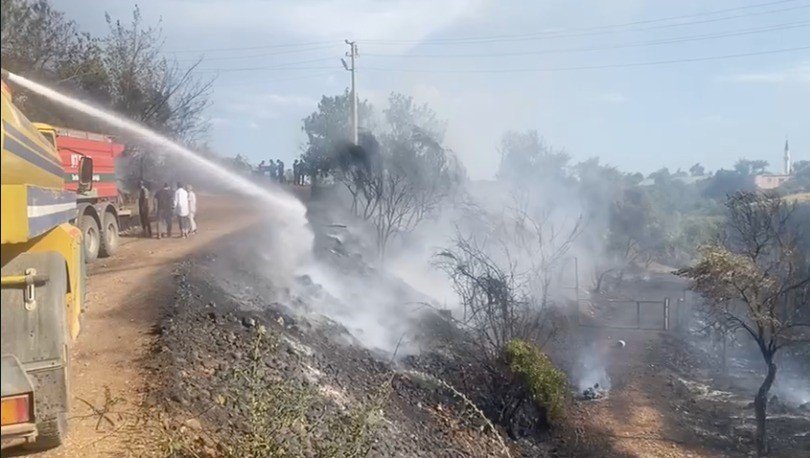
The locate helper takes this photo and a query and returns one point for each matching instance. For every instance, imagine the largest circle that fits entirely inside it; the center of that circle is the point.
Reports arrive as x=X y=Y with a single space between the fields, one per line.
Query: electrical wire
x=279 y=66
x=262 y=55
x=276 y=80
x=590 y=67
x=576 y=32
x=774 y=28
x=312 y=45
x=249 y=48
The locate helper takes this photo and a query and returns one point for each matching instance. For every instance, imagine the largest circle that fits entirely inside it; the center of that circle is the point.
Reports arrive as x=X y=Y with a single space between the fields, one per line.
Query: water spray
x=286 y=210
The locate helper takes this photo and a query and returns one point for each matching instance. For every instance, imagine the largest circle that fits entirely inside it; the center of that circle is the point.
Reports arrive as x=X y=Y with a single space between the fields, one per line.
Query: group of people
x=298 y=173
x=168 y=203
x=275 y=170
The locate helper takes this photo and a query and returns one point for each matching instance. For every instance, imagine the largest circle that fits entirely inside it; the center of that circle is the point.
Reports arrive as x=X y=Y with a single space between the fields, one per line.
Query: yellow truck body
x=43 y=283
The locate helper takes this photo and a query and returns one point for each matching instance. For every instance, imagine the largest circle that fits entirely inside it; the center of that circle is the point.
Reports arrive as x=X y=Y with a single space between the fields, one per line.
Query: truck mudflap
x=17 y=397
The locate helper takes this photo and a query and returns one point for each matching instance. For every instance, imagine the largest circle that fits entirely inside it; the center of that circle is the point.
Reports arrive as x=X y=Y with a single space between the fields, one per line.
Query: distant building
x=774 y=180
x=770 y=180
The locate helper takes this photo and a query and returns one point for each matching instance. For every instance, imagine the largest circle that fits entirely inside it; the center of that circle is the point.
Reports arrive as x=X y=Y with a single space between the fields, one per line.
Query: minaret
x=787 y=158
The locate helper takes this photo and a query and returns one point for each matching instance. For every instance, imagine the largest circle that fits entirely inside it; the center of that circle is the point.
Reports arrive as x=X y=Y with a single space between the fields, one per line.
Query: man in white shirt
x=192 y=209
x=181 y=209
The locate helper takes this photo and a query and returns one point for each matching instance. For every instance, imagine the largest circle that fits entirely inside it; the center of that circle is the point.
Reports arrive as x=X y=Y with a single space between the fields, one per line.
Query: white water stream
x=287 y=213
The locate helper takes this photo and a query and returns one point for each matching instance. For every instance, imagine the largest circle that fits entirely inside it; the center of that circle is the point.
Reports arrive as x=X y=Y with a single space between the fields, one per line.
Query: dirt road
x=125 y=295
x=637 y=419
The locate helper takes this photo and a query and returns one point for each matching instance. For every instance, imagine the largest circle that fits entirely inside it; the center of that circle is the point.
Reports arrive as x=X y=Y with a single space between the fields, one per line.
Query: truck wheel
x=109 y=235
x=91 y=237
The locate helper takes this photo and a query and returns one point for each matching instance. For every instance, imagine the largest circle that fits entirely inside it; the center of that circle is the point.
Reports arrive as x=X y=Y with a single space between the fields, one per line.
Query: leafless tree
x=502 y=276
x=123 y=70
x=757 y=281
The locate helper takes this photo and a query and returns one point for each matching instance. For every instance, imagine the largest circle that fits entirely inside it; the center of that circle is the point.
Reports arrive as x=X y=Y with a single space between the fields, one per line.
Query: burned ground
x=227 y=357
x=247 y=368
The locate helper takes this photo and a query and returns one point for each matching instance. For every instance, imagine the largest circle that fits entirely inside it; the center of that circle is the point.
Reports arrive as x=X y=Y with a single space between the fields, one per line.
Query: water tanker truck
x=43 y=281
x=100 y=210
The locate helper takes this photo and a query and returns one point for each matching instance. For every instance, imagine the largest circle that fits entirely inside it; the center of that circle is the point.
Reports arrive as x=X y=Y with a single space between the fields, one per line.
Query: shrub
x=547 y=385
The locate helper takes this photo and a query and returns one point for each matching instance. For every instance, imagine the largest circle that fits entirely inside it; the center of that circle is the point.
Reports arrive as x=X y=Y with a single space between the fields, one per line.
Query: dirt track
x=125 y=294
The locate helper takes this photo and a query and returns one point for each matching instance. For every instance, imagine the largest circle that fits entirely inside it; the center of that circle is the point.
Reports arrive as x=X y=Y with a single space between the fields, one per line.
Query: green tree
x=527 y=159
x=697 y=170
x=415 y=172
x=727 y=182
x=328 y=132
x=39 y=42
x=756 y=282
x=746 y=167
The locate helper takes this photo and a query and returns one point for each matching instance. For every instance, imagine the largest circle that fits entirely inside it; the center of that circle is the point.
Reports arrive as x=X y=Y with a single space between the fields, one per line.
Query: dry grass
x=278 y=418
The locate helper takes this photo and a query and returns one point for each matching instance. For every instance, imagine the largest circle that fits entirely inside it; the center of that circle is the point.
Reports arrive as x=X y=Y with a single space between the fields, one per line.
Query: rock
x=193 y=424
x=248 y=322
x=775 y=405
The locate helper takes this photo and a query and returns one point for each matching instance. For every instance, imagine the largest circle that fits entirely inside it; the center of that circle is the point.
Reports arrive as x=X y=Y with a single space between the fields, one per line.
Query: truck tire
x=109 y=235
x=91 y=237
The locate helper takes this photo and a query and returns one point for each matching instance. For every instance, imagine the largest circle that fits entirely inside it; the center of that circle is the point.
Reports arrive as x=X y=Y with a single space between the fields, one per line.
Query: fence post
x=666 y=314
x=638 y=315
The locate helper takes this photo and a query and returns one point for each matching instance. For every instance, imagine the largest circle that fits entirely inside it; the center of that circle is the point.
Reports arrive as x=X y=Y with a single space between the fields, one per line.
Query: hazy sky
x=488 y=66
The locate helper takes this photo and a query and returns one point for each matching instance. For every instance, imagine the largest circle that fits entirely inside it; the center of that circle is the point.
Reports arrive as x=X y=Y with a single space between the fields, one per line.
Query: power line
x=276 y=80
x=248 y=48
x=591 y=67
x=283 y=66
x=576 y=32
x=329 y=43
x=776 y=27
x=262 y=55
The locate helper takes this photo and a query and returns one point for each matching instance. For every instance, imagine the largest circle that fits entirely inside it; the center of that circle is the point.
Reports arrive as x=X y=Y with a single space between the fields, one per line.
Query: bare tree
x=757 y=281
x=503 y=278
x=544 y=245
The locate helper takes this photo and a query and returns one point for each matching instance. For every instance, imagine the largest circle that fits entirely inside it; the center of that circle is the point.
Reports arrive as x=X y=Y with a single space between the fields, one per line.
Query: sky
x=640 y=84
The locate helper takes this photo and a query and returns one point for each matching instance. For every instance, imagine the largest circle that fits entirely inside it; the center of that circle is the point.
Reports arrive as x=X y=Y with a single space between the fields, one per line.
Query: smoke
x=591 y=368
x=793 y=389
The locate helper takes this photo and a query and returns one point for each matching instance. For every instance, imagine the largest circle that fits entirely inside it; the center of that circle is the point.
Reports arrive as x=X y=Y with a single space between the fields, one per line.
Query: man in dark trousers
x=144 y=210
x=296 y=172
x=280 y=171
x=164 y=200
x=271 y=170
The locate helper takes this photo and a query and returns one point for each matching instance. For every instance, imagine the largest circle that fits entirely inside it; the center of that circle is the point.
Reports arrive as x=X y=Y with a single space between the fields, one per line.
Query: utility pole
x=353 y=55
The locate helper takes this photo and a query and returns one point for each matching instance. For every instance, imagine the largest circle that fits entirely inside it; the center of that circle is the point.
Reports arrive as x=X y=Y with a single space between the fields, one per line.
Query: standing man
x=280 y=166
x=296 y=172
x=181 y=209
x=143 y=210
x=192 y=209
x=164 y=201
x=271 y=169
